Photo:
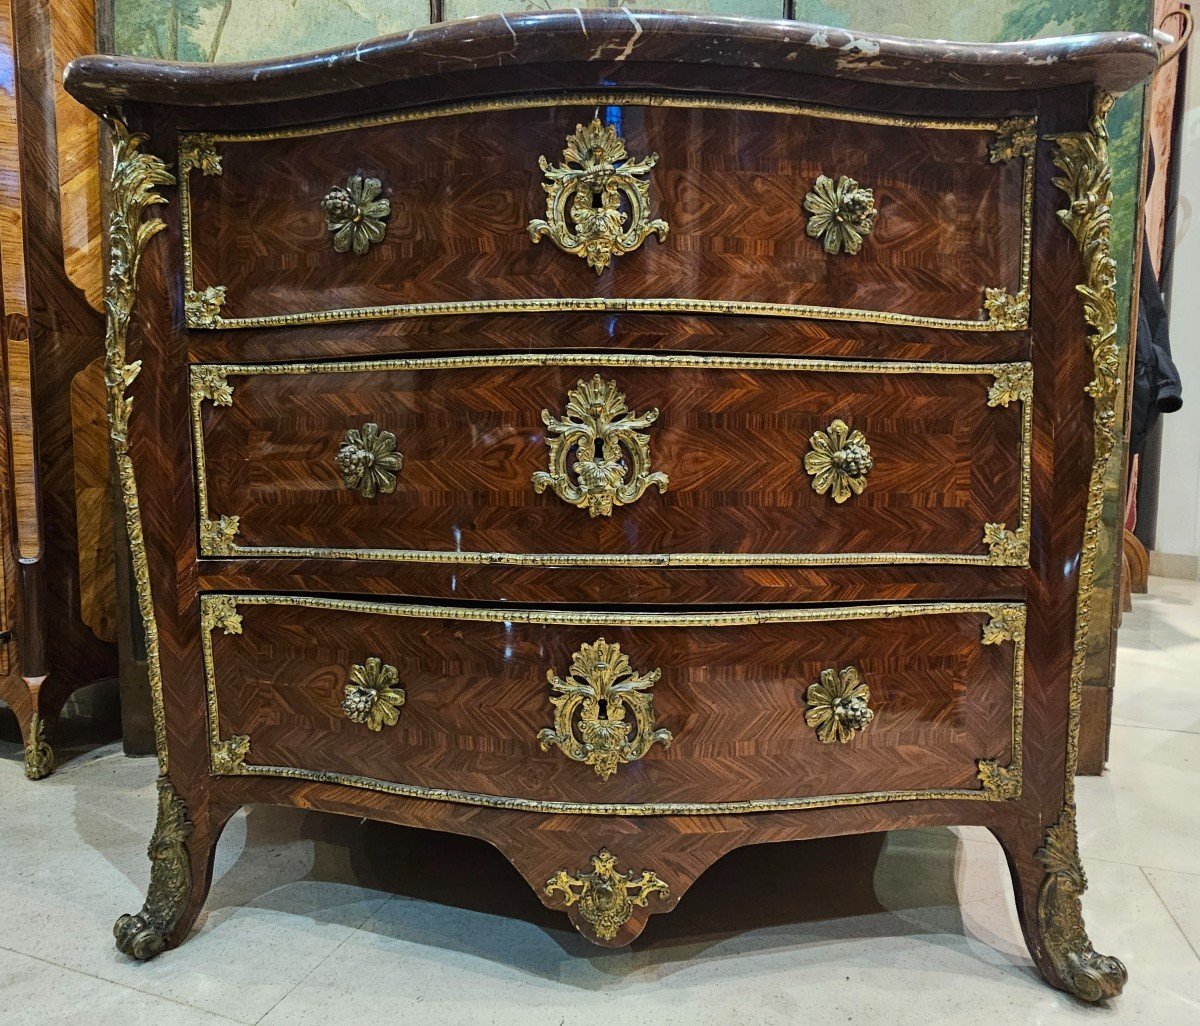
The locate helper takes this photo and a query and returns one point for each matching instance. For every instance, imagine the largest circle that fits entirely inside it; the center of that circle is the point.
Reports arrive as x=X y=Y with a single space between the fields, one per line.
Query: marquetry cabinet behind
x=59 y=602
x=679 y=458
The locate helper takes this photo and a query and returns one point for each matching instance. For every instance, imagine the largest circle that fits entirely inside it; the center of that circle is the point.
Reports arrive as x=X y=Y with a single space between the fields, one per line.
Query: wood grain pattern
x=732 y=442
x=93 y=503
x=9 y=599
x=18 y=517
x=677 y=847
x=729 y=183
x=27 y=534
x=73 y=32
x=27 y=529
x=595 y=585
x=51 y=333
x=733 y=696
x=11 y=215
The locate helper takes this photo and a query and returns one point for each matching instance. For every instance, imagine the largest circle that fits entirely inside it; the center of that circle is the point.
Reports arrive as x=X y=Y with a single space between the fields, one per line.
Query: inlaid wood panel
x=58 y=545
x=93 y=503
x=730 y=181
x=476 y=692
x=731 y=435
x=73 y=32
x=731 y=691
x=26 y=529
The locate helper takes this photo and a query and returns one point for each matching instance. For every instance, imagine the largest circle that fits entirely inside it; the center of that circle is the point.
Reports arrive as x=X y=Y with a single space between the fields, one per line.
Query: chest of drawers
x=619 y=440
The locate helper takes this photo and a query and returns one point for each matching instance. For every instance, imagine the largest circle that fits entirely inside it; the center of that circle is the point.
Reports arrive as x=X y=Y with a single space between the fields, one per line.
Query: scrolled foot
x=1095 y=977
x=1081 y=970
x=138 y=937
x=39 y=756
x=145 y=934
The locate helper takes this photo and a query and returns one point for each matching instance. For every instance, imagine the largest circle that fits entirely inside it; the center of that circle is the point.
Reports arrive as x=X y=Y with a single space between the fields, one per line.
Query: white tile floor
x=318 y=919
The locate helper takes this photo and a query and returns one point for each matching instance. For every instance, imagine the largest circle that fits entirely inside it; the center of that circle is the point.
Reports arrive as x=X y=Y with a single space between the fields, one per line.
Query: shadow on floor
x=91 y=719
x=765 y=897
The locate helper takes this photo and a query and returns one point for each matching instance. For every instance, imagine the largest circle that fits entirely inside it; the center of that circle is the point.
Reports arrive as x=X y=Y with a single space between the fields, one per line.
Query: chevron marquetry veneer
x=622 y=446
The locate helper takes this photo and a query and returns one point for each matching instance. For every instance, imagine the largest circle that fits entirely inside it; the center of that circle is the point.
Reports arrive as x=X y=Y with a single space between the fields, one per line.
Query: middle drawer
x=604 y=459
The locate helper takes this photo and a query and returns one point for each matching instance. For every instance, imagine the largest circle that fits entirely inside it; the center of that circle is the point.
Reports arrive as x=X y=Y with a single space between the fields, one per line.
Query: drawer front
x=621 y=713
x=715 y=206
x=602 y=460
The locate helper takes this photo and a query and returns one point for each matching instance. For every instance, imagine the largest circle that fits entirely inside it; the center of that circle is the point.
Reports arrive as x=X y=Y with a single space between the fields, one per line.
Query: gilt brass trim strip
x=1087 y=180
x=613 y=809
x=188 y=141
x=702 y=361
x=588 y=618
x=1082 y=158
x=556 y=617
x=615 y=99
x=575 y=559
x=131 y=191
x=1005 y=782
x=602 y=305
x=1029 y=165
x=201 y=374
x=212 y=607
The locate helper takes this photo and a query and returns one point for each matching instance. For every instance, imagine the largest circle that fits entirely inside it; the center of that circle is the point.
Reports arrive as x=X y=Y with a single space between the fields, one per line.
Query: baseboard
x=1182 y=565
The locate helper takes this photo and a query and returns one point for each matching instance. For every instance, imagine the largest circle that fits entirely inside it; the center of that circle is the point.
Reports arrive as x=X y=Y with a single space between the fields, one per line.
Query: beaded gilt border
x=1001 y=310
x=1012 y=382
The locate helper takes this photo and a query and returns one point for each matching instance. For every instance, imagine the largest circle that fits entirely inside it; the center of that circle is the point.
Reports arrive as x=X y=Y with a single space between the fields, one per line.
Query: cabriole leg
x=181 y=856
x=1050 y=882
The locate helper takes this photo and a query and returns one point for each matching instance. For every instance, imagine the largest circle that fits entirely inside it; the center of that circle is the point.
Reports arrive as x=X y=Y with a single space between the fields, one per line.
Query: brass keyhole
x=590 y=718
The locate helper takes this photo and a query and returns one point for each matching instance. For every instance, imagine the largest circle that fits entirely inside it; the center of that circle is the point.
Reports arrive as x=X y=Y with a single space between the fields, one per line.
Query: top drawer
x=661 y=203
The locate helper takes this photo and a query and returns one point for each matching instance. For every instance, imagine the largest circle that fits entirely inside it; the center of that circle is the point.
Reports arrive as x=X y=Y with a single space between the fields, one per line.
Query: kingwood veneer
x=623 y=507
x=58 y=602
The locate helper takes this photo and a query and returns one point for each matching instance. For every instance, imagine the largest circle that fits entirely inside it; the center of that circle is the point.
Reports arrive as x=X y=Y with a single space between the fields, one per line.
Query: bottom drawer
x=628 y=713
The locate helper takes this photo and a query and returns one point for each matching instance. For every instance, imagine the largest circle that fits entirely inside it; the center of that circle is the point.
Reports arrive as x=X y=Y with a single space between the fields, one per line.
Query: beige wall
x=1179 y=488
